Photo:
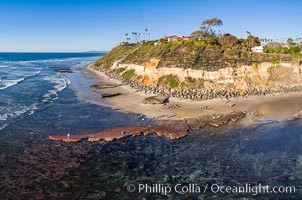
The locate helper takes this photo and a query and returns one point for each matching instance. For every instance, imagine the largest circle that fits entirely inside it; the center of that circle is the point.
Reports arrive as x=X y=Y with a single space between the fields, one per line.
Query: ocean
x=29 y=83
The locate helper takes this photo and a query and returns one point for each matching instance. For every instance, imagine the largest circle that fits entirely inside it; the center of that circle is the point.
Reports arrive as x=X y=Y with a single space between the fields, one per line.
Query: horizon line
x=54 y=51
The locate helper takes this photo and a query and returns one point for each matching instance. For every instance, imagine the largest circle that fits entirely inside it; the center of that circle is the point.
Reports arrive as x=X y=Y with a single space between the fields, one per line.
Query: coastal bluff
x=171 y=73
x=240 y=78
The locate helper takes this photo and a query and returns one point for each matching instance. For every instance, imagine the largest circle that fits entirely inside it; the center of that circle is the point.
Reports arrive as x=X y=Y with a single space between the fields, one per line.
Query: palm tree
x=248 y=40
x=146 y=31
x=134 y=36
x=135 y=33
x=126 y=34
x=139 y=36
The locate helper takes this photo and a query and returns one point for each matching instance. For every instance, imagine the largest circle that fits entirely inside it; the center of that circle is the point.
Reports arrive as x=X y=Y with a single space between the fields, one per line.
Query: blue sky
x=82 y=25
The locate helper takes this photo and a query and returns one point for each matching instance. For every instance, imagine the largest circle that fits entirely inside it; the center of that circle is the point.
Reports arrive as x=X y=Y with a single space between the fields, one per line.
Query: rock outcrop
x=156 y=100
x=172 y=129
x=100 y=87
x=108 y=95
x=123 y=132
x=63 y=70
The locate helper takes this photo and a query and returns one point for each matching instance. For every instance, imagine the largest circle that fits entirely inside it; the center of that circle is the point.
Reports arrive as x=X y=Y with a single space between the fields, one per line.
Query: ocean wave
x=52 y=60
x=7 y=69
x=3 y=126
x=60 y=83
x=9 y=83
x=14 y=111
x=25 y=72
x=10 y=114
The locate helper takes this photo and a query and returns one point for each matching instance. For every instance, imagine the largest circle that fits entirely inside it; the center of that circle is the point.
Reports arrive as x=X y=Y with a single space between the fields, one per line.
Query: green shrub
x=244 y=54
x=193 y=82
x=188 y=42
x=173 y=83
x=129 y=74
x=200 y=49
x=173 y=48
x=169 y=80
x=276 y=62
x=189 y=49
x=233 y=52
x=139 y=77
x=294 y=49
x=199 y=43
x=210 y=40
x=154 y=51
x=285 y=50
x=189 y=79
x=165 y=49
x=120 y=70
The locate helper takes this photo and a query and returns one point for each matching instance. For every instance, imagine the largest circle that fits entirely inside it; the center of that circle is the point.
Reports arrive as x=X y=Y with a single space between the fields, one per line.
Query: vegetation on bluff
x=210 y=53
x=115 y=54
x=169 y=80
x=206 y=50
x=129 y=74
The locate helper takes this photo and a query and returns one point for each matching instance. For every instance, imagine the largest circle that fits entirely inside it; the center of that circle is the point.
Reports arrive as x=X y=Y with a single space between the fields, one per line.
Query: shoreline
x=259 y=109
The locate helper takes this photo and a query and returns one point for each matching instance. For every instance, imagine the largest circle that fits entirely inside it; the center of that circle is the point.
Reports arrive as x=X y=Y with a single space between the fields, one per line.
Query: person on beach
x=123 y=133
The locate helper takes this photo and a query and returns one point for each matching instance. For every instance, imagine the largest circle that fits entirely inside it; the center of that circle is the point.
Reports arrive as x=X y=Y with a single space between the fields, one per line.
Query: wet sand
x=273 y=107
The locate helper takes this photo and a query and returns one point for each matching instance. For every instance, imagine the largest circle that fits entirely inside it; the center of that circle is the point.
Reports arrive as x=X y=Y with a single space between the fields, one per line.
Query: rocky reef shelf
x=172 y=129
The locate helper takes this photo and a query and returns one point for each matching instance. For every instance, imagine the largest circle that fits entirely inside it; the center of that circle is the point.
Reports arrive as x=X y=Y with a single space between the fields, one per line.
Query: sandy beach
x=277 y=107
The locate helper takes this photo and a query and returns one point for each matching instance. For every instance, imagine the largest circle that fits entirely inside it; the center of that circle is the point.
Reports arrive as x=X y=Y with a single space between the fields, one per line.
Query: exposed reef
x=172 y=129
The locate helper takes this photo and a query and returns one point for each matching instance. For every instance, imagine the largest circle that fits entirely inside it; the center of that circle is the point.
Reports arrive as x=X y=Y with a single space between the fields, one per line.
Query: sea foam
x=60 y=83
x=9 y=83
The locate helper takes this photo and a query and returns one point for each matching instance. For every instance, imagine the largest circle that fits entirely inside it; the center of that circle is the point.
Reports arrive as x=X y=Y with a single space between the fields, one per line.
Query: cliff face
x=237 y=75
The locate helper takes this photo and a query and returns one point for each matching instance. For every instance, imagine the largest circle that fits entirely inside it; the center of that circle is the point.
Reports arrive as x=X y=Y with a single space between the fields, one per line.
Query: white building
x=174 y=37
x=258 y=49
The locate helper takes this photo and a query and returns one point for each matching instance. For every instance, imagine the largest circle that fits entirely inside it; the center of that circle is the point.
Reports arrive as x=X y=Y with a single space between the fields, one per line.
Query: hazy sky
x=82 y=25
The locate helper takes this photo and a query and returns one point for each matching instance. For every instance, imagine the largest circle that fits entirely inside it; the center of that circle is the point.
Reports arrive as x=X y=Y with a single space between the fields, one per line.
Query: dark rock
x=64 y=70
x=197 y=123
x=99 y=87
x=156 y=100
x=107 y=95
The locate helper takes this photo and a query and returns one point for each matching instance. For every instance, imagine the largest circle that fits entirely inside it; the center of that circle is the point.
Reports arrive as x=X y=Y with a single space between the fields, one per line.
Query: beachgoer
x=123 y=133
